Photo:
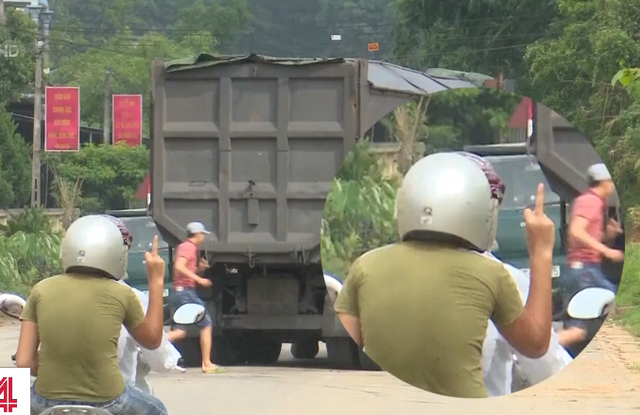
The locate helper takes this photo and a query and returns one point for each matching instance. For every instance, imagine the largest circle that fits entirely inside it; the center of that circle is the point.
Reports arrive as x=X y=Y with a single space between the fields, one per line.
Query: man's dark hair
x=593 y=183
x=190 y=235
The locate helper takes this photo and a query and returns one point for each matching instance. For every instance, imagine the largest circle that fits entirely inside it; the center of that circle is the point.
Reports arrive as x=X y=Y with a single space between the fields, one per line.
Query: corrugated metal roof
x=387 y=76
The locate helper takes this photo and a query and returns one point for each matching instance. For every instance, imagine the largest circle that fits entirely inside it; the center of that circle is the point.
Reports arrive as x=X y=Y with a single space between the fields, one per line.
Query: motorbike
x=12 y=304
x=592 y=305
x=589 y=304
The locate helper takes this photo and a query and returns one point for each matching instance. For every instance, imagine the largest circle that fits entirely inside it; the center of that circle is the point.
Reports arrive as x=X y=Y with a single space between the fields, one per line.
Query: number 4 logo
x=7 y=401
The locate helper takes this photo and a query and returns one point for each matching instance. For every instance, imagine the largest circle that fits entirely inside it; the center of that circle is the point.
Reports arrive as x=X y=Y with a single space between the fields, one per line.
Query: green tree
x=129 y=62
x=359 y=213
x=485 y=36
x=17 y=73
x=110 y=174
x=222 y=19
x=572 y=72
x=15 y=164
x=359 y=22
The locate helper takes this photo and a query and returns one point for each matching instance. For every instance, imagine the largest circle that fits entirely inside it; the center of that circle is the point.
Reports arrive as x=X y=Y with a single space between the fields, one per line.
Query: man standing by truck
x=185 y=278
x=586 y=248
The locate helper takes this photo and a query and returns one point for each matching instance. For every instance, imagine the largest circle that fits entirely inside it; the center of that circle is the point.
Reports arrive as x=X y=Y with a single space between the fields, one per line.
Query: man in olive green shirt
x=88 y=324
x=75 y=319
x=420 y=308
x=439 y=298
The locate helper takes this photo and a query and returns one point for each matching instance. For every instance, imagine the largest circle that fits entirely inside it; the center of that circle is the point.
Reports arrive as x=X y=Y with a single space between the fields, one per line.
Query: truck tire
x=189 y=348
x=343 y=353
x=265 y=351
x=221 y=351
x=307 y=349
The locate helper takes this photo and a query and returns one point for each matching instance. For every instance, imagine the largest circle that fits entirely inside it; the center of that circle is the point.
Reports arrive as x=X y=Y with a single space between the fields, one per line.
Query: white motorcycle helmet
x=452 y=195
x=99 y=243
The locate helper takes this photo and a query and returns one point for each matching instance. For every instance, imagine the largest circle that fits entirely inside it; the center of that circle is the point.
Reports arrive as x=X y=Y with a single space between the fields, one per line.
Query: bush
x=30 y=221
x=359 y=213
x=28 y=258
x=110 y=174
x=628 y=298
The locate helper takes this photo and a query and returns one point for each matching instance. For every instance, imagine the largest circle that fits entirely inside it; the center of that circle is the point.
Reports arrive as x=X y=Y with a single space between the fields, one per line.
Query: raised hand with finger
x=155 y=264
x=539 y=228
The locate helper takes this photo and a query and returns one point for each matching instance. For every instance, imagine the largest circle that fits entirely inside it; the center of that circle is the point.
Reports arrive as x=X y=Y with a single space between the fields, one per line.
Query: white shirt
x=162 y=359
x=498 y=355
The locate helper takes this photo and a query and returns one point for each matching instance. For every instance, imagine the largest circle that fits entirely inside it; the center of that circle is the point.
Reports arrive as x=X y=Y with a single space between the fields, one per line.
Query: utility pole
x=106 y=125
x=36 y=160
x=3 y=19
x=46 y=21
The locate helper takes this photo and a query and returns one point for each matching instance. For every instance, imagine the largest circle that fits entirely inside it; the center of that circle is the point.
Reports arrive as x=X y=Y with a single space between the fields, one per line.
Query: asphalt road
x=605 y=379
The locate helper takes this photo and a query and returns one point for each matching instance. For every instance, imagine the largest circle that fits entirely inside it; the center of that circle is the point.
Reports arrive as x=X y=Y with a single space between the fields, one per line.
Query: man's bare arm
x=530 y=333
x=149 y=333
x=352 y=325
x=181 y=266
x=27 y=356
x=578 y=231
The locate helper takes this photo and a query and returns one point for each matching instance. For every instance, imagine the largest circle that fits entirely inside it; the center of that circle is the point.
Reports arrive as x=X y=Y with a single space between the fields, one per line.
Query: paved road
x=604 y=380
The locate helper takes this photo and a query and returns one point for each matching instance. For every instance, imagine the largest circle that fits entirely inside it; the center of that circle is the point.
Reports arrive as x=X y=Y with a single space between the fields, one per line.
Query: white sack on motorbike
x=162 y=359
x=497 y=362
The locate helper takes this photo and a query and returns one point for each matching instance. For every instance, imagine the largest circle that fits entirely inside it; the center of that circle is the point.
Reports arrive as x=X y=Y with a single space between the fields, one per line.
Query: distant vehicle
x=521 y=174
x=143 y=229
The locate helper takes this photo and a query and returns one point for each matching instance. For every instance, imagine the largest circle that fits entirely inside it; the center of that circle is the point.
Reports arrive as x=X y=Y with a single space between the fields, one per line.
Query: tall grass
x=27 y=258
x=628 y=298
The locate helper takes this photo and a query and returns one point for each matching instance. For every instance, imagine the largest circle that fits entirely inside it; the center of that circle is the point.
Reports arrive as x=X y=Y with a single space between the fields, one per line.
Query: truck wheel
x=305 y=350
x=265 y=352
x=221 y=351
x=189 y=348
x=343 y=353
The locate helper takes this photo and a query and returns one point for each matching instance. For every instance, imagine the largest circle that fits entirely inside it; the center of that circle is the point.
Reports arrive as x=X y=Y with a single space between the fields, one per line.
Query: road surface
x=605 y=379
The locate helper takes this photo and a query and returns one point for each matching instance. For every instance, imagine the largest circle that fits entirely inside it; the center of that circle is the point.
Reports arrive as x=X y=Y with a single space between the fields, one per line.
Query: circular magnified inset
x=472 y=260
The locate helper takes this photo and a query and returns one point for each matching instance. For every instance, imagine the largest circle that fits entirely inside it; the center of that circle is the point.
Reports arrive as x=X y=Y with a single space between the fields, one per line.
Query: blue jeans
x=189 y=296
x=132 y=402
x=573 y=280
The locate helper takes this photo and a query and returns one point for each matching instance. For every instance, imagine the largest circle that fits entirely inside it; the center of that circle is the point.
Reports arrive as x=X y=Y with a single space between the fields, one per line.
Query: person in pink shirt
x=186 y=276
x=586 y=247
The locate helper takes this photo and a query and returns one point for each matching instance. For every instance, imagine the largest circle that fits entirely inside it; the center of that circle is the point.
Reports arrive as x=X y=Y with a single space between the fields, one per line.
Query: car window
x=143 y=230
x=521 y=175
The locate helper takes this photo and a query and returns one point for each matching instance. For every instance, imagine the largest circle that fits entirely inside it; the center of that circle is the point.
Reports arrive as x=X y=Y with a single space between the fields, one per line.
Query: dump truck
x=249 y=146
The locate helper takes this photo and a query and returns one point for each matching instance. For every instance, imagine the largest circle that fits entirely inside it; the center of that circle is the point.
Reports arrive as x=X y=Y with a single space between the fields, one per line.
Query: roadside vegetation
x=628 y=298
x=29 y=251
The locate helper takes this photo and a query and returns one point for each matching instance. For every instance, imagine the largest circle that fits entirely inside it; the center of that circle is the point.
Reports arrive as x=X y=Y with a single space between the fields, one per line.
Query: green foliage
x=483 y=36
x=359 y=22
x=129 y=64
x=16 y=74
x=628 y=297
x=221 y=19
x=111 y=174
x=15 y=164
x=359 y=213
x=30 y=221
x=468 y=116
x=629 y=78
x=572 y=73
x=27 y=258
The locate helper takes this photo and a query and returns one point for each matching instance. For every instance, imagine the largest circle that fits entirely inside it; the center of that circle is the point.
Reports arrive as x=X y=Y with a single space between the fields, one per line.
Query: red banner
x=62 y=118
x=127 y=119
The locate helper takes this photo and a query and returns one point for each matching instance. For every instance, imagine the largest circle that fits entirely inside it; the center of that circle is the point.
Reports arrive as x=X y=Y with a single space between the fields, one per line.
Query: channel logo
x=15 y=394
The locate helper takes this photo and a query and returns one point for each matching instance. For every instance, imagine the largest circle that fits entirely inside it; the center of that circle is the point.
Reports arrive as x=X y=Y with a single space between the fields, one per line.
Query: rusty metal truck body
x=249 y=146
